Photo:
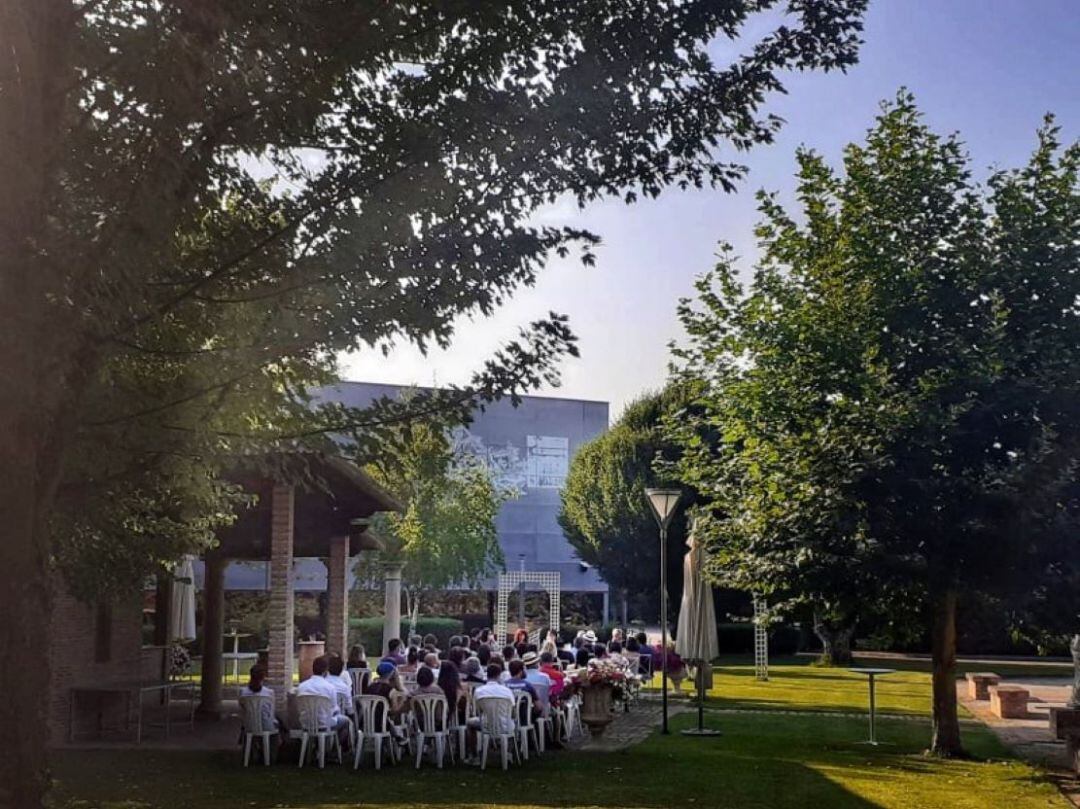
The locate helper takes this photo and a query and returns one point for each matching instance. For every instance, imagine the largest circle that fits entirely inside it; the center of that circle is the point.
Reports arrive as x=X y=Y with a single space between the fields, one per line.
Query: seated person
x=319 y=685
x=357 y=658
x=550 y=667
x=509 y=652
x=483 y=654
x=531 y=660
x=412 y=661
x=470 y=671
x=431 y=660
x=581 y=660
x=493 y=688
x=388 y=685
x=431 y=641
x=255 y=688
x=518 y=682
x=393 y=652
x=425 y=684
x=340 y=678
x=617 y=637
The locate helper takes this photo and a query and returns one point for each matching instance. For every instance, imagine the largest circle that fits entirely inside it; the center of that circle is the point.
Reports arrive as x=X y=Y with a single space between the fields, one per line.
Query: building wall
x=527 y=448
x=73 y=640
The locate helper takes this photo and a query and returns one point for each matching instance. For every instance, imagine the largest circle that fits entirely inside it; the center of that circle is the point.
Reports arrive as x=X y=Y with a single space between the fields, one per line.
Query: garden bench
x=1065 y=725
x=1009 y=701
x=979 y=682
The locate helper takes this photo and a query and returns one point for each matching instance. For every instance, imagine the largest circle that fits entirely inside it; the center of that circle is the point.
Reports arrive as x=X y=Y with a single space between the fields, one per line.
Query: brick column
x=213 y=630
x=281 y=592
x=392 y=605
x=337 y=596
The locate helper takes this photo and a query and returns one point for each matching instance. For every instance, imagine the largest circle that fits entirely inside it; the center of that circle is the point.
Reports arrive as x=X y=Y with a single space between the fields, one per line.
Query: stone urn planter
x=596 y=709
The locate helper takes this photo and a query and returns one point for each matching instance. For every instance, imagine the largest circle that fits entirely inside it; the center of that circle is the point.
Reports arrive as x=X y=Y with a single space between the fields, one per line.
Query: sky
x=988 y=69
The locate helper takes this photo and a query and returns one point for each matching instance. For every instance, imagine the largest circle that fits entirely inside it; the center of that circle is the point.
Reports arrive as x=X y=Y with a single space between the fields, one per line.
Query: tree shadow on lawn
x=799 y=762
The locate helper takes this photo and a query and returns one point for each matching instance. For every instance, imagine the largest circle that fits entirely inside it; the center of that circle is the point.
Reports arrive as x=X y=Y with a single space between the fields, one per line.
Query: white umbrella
x=182 y=607
x=696 y=634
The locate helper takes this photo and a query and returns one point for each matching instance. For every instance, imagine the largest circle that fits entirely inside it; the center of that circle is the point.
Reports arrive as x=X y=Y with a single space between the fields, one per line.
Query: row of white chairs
x=429 y=725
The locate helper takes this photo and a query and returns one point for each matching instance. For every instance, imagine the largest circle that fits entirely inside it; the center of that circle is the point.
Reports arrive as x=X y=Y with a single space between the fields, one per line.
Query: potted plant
x=601 y=683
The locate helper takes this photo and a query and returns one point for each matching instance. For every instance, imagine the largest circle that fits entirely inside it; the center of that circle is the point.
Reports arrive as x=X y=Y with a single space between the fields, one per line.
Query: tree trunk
x=946 y=726
x=835 y=640
x=35 y=394
x=24 y=630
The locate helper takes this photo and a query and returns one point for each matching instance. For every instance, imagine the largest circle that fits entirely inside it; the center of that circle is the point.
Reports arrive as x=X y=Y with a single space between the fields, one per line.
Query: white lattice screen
x=508 y=582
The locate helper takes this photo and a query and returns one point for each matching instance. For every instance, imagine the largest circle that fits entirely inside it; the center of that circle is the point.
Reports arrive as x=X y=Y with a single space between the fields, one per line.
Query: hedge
x=369 y=631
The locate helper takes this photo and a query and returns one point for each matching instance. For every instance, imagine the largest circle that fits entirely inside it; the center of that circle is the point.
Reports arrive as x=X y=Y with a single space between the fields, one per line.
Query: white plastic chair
x=458 y=724
x=496 y=715
x=373 y=722
x=545 y=721
x=572 y=724
x=524 y=725
x=360 y=680
x=309 y=707
x=254 y=711
x=345 y=706
x=432 y=724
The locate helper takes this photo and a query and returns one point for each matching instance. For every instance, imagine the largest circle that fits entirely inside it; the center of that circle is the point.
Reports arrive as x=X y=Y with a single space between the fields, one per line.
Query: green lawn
x=794 y=685
x=766 y=760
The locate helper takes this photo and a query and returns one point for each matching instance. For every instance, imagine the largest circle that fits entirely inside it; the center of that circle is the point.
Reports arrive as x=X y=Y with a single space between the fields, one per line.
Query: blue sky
x=989 y=69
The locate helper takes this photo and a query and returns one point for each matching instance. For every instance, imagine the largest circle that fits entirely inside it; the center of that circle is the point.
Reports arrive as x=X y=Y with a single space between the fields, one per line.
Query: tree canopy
x=446 y=536
x=604 y=513
x=897 y=389
x=205 y=202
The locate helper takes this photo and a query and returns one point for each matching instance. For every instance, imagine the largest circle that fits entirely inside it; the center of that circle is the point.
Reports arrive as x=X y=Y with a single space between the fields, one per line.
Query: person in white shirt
x=494 y=688
x=341 y=681
x=319 y=685
x=255 y=688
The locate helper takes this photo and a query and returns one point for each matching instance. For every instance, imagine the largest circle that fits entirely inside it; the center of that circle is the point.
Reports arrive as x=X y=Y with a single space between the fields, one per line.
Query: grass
x=794 y=685
x=761 y=760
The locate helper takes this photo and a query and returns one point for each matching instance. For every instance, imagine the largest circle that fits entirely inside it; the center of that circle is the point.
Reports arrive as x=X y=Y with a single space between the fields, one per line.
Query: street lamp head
x=663 y=502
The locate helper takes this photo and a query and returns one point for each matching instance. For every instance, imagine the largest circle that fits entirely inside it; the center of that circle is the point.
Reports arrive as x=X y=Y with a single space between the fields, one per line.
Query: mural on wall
x=548 y=460
x=541 y=464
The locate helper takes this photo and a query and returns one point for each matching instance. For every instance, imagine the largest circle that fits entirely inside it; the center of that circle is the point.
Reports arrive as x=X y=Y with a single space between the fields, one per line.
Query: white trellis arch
x=508 y=582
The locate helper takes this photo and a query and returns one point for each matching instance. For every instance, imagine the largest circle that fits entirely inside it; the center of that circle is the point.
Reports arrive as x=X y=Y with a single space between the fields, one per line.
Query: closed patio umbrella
x=182 y=607
x=696 y=636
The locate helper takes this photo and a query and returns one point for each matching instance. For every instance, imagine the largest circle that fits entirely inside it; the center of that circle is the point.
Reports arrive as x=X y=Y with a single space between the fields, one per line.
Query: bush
x=368 y=631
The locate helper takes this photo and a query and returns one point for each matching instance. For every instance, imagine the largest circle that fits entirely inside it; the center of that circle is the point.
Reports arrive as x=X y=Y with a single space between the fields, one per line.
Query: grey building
x=527 y=448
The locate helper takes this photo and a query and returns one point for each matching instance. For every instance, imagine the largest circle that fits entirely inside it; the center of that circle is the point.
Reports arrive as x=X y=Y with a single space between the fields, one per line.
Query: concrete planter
x=596 y=707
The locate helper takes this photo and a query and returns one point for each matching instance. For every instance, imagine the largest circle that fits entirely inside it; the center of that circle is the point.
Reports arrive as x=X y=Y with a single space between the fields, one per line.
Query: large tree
x=201 y=200
x=446 y=535
x=605 y=515
x=898 y=389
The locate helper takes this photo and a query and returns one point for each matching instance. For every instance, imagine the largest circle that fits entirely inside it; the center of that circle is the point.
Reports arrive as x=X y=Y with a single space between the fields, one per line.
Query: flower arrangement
x=605 y=671
x=179 y=660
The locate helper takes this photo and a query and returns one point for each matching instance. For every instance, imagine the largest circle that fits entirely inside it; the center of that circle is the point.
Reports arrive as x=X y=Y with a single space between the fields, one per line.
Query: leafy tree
x=204 y=202
x=898 y=388
x=446 y=535
x=605 y=515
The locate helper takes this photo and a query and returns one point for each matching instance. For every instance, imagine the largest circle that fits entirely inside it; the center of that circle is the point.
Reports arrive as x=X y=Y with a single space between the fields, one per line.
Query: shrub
x=368 y=631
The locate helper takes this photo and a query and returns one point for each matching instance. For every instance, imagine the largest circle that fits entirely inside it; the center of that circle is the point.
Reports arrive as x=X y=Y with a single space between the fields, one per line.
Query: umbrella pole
x=701 y=730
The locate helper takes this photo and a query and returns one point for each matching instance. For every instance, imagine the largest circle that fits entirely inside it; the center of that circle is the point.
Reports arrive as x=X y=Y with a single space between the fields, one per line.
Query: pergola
x=312 y=505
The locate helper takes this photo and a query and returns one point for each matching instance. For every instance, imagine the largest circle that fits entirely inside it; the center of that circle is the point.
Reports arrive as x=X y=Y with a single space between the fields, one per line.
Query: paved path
x=1030 y=738
x=629 y=729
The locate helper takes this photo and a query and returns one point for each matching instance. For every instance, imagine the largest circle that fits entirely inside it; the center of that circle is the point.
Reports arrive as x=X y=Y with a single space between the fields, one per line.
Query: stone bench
x=979 y=682
x=1065 y=725
x=1009 y=701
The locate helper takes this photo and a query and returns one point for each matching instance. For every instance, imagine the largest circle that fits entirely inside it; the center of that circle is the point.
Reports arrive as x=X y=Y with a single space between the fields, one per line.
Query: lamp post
x=663 y=503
